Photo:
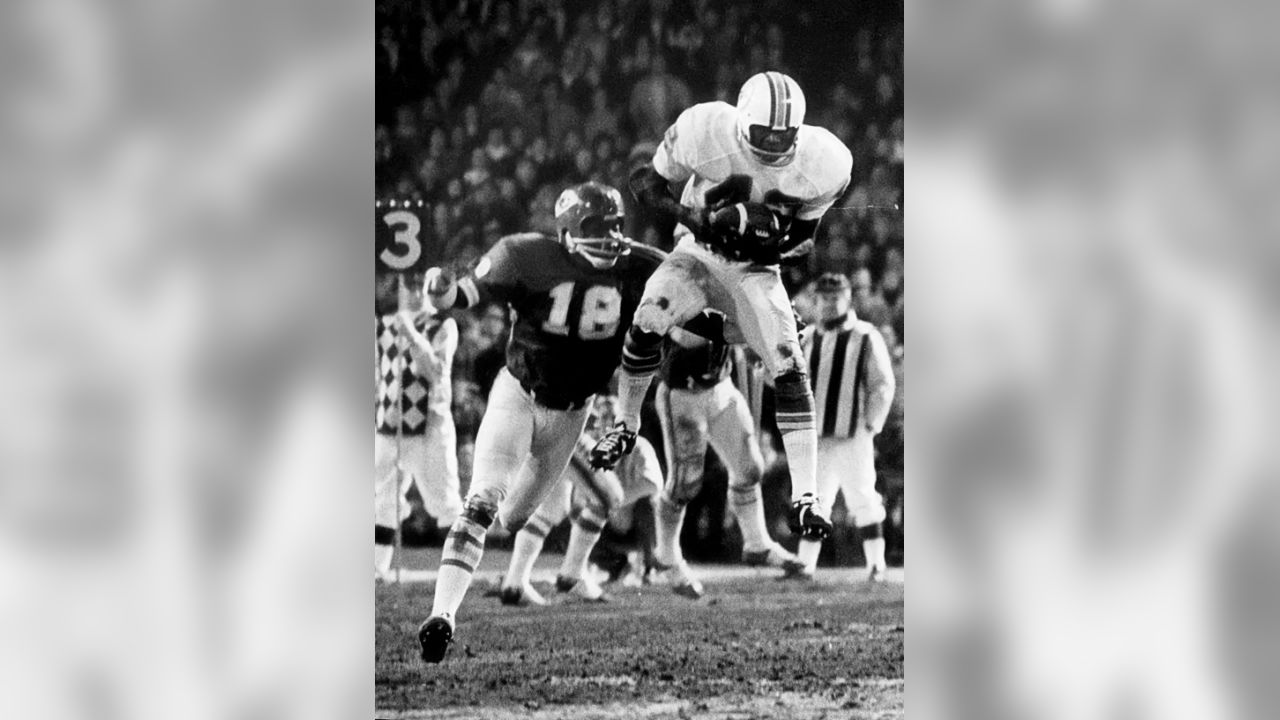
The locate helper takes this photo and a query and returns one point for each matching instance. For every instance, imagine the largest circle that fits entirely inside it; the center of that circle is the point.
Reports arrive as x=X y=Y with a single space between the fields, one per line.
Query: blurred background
x=487 y=110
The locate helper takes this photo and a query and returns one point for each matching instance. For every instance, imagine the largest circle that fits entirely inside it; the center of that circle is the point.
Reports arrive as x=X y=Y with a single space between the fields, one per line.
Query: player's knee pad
x=654 y=316
x=480 y=510
x=747 y=477
x=793 y=401
x=589 y=519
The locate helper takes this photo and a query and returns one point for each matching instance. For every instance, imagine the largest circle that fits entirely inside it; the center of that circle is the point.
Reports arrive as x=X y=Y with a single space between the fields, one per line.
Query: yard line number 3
x=601 y=310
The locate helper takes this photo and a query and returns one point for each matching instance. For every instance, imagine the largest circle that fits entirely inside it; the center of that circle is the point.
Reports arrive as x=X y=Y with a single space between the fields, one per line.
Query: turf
x=754 y=647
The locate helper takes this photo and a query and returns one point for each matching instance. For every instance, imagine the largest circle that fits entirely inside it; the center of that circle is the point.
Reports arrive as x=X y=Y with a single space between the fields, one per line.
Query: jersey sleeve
x=832 y=178
x=881 y=383
x=496 y=275
x=677 y=157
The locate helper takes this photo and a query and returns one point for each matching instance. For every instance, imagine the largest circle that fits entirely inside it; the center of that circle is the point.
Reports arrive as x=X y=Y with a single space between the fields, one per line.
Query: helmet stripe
x=773 y=100
x=777 y=88
x=786 y=102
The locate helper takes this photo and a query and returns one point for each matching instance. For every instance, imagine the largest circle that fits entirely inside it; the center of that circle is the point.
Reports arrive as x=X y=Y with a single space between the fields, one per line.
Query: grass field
x=753 y=647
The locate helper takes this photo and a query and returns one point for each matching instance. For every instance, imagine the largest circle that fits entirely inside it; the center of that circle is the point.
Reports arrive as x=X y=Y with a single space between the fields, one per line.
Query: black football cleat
x=609 y=449
x=807 y=520
x=434 y=638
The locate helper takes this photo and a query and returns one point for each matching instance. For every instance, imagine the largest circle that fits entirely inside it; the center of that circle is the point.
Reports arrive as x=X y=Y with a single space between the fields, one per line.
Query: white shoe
x=521 y=595
x=583 y=588
x=680 y=579
x=773 y=555
x=876 y=575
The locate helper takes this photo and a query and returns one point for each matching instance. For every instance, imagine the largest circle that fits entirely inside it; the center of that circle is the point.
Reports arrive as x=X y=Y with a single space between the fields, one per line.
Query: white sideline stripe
x=704 y=573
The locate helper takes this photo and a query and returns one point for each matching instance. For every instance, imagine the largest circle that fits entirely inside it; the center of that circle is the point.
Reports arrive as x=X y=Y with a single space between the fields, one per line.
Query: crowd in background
x=488 y=109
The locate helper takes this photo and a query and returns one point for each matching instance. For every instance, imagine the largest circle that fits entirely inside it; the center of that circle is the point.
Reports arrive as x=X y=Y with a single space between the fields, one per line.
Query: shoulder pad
x=825 y=158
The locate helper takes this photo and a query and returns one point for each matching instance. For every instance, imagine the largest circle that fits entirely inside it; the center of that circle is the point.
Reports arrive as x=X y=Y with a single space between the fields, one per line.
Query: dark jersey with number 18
x=570 y=317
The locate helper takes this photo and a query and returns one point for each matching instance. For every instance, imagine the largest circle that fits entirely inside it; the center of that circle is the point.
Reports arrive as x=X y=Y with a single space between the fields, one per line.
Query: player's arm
x=880 y=382
x=653 y=190
x=673 y=162
x=495 y=276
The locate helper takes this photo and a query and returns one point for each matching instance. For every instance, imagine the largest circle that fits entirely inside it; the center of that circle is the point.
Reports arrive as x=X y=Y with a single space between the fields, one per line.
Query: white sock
x=524 y=553
x=631 y=391
x=382 y=558
x=873 y=549
x=747 y=504
x=802 y=458
x=463 y=549
x=668 y=519
x=583 y=535
x=808 y=553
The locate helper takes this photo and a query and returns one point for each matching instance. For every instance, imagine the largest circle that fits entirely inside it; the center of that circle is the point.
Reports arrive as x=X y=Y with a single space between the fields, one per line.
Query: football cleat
x=679 y=578
x=608 y=450
x=773 y=556
x=797 y=574
x=807 y=520
x=521 y=596
x=589 y=223
x=434 y=638
x=771 y=109
x=876 y=575
x=582 y=588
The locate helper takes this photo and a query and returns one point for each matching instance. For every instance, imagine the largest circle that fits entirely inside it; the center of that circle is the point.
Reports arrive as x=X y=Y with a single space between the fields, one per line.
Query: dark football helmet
x=589 y=222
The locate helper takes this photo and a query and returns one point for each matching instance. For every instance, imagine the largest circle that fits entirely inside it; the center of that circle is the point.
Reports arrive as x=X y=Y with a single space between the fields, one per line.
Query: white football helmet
x=770 y=111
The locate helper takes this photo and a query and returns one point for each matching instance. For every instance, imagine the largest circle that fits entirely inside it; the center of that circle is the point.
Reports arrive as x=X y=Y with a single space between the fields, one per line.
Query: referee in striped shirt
x=853 y=386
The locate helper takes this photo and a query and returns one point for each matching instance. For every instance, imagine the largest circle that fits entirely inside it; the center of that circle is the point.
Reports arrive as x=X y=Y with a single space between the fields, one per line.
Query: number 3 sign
x=399 y=244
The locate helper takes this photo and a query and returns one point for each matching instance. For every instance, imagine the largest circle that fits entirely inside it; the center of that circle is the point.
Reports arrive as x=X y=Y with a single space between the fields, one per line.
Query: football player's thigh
x=835 y=456
x=684 y=435
x=555 y=435
x=859 y=481
x=674 y=293
x=503 y=440
x=732 y=432
x=762 y=312
x=555 y=508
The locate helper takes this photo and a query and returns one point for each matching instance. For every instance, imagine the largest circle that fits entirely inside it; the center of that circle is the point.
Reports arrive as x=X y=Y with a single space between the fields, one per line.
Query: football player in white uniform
x=757 y=181
x=698 y=406
x=590 y=498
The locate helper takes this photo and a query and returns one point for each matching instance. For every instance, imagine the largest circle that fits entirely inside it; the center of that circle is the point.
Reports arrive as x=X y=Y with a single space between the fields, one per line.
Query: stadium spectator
x=867 y=304
x=657 y=99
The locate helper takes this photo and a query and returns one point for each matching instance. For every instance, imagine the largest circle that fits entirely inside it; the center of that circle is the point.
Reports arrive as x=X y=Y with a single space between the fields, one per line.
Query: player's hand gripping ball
x=754 y=226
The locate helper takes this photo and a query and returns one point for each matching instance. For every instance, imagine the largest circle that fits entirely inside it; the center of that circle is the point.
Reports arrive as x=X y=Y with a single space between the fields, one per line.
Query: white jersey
x=704 y=147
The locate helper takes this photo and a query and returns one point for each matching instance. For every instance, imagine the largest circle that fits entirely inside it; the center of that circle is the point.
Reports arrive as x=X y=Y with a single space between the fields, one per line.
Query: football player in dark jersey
x=570 y=295
x=698 y=405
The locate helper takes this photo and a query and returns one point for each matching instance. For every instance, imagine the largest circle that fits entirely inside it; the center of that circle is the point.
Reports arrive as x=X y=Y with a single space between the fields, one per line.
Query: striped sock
x=641 y=356
x=525 y=552
x=747 y=504
x=794 y=413
x=463 y=549
x=583 y=535
x=668 y=520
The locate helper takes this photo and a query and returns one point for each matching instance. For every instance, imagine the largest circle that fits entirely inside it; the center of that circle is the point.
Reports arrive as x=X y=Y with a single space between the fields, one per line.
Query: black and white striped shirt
x=851 y=376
